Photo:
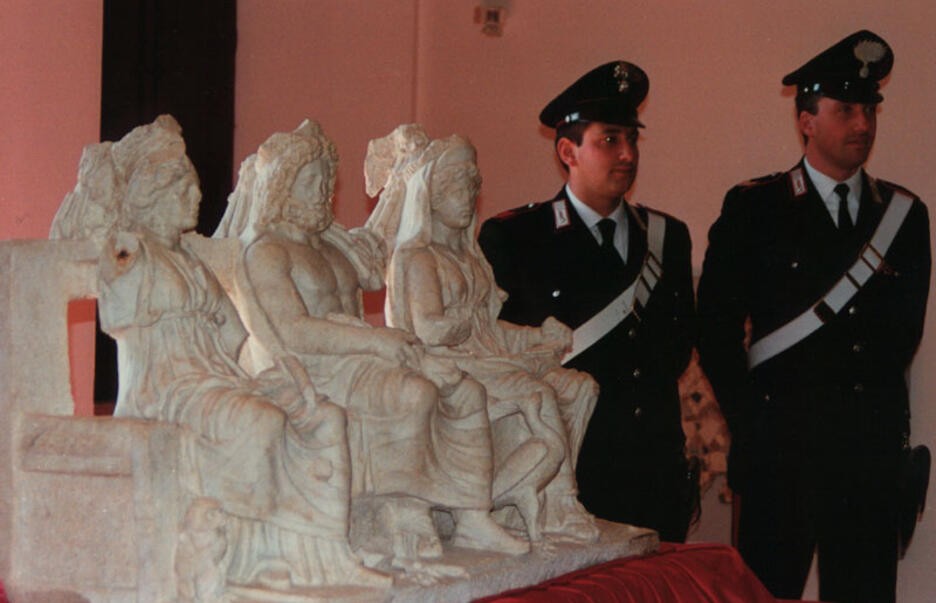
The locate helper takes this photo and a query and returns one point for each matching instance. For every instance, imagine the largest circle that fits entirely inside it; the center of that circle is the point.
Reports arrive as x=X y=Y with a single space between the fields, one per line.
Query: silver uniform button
x=794 y=265
x=636 y=373
x=857 y=348
x=766 y=397
x=632 y=332
x=853 y=310
x=858 y=388
x=556 y=293
x=638 y=411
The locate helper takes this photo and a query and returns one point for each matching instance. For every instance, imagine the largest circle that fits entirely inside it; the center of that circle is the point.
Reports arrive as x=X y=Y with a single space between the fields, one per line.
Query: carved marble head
x=295 y=178
x=162 y=192
x=442 y=190
x=144 y=181
x=455 y=180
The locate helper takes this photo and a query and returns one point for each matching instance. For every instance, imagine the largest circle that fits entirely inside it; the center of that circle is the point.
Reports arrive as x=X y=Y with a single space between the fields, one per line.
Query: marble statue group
x=313 y=449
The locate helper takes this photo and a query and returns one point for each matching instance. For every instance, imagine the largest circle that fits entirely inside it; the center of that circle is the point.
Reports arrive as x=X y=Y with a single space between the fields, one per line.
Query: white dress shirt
x=825 y=186
x=591 y=218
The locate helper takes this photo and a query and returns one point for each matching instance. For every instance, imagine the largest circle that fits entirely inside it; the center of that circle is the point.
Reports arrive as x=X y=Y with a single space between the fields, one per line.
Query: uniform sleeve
x=905 y=329
x=495 y=243
x=723 y=308
x=497 y=240
x=683 y=327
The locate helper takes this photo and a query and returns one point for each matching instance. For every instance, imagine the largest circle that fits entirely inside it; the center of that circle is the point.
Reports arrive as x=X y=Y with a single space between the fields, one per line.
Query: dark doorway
x=176 y=57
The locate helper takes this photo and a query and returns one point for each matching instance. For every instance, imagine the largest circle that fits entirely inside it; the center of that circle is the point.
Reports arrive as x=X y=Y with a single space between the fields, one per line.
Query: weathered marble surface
x=441 y=288
x=418 y=427
x=326 y=460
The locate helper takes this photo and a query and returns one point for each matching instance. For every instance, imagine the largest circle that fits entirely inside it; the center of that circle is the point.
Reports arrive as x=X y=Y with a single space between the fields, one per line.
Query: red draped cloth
x=690 y=573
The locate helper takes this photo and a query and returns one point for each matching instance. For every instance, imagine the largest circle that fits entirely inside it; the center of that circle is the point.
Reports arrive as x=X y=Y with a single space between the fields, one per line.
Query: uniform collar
x=591 y=218
x=825 y=185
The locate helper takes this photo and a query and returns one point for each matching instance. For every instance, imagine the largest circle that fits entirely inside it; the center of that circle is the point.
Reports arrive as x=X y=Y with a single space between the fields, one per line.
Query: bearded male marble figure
x=414 y=432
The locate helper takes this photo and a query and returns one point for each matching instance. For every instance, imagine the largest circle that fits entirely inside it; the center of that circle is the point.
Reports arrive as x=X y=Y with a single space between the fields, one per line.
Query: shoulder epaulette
x=651 y=210
x=516 y=211
x=762 y=180
x=893 y=186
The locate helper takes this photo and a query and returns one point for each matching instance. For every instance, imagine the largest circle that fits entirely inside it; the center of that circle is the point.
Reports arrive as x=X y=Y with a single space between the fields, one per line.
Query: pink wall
x=49 y=109
x=343 y=64
x=716 y=113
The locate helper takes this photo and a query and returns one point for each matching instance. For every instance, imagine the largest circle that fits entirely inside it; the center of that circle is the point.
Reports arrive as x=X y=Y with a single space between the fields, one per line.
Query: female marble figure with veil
x=441 y=288
x=272 y=454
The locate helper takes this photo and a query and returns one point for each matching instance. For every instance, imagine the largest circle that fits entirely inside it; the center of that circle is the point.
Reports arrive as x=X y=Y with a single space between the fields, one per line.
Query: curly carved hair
x=279 y=160
x=151 y=160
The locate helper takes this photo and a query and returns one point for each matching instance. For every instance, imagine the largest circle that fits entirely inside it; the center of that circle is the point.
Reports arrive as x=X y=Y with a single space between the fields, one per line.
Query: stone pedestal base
x=489 y=574
x=483 y=574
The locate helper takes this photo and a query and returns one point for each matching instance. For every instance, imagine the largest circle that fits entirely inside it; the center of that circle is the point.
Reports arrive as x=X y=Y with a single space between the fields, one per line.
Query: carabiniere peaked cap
x=849 y=71
x=608 y=93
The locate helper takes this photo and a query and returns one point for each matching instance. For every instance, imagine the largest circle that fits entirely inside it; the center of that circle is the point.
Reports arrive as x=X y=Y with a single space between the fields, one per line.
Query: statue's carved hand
x=557 y=334
x=399 y=346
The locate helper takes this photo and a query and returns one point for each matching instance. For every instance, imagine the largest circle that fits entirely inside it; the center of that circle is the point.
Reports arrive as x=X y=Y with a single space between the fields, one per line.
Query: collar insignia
x=561 y=214
x=799 y=182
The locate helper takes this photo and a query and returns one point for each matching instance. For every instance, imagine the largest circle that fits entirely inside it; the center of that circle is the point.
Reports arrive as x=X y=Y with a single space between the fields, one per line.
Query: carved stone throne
x=91 y=506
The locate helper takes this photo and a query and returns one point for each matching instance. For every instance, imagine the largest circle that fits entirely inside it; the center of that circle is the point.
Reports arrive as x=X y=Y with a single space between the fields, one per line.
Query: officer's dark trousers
x=845 y=513
x=638 y=490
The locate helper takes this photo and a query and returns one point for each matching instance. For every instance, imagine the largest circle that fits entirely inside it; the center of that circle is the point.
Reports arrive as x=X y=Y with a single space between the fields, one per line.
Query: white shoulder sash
x=869 y=261
x=632 y=299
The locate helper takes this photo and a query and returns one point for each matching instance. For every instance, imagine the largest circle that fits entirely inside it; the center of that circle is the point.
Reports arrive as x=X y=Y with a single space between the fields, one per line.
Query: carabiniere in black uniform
x=817 y=427
x=632 y=466
x=841 y=392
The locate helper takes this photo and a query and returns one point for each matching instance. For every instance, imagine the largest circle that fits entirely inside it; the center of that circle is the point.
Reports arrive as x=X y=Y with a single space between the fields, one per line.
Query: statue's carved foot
x=277 y=575
x=363 y=576
x=417 y=544
x=529 y=503
x=474 y=529
x=567 y=518
x=428 y=573
x=272 y=574
x=386 y=529
x=546 y=547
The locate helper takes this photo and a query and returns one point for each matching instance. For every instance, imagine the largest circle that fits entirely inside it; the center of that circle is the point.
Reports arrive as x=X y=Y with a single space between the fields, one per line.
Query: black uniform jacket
x=838 y=398
x=560 y=271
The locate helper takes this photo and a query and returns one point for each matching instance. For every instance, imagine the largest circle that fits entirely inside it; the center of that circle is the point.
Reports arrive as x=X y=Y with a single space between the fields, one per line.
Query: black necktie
x=844 y=218
x=606 y=227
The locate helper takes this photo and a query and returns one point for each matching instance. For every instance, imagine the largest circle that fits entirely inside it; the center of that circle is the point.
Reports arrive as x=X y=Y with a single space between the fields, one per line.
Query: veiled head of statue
x=454 y=164
x=454 y=180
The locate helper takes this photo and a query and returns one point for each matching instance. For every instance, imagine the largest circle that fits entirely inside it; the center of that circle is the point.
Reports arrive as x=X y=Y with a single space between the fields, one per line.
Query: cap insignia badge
x=868 y=51
x=621 y=74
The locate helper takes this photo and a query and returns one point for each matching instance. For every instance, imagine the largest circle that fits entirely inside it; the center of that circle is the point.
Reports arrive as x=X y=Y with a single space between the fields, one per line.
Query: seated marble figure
x=418 y=427
x=268 y=458
x=442 y=289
